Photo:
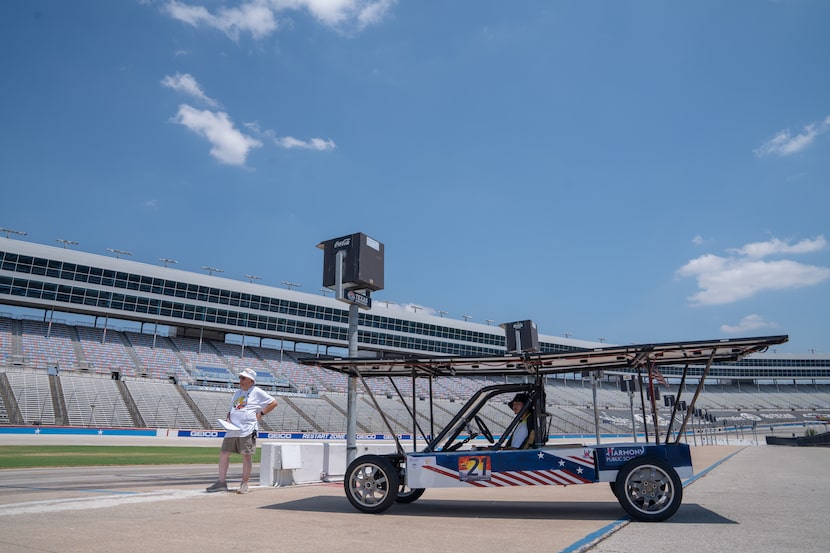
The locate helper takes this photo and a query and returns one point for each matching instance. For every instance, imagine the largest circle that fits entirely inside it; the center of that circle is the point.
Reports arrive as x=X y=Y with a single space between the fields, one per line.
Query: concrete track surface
x=751 y=498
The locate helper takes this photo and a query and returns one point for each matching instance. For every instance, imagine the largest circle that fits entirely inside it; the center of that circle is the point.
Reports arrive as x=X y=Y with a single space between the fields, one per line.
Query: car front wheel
x=649 y=489
x=371 y=484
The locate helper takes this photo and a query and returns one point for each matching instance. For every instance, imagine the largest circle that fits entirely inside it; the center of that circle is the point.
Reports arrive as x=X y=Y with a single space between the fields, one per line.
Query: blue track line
x=596 y=536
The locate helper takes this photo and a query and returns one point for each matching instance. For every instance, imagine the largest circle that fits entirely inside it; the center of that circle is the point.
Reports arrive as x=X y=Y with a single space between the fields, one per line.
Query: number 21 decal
x=473 y=468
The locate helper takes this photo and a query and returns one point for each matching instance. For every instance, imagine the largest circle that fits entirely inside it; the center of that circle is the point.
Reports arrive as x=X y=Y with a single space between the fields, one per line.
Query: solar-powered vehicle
x=645 y=477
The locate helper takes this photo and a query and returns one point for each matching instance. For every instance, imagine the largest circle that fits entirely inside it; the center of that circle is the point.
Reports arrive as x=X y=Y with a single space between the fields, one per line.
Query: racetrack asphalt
x=743 y=498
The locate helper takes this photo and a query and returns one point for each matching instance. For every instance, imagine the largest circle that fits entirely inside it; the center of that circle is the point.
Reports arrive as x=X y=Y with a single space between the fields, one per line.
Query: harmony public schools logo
x=623 y=454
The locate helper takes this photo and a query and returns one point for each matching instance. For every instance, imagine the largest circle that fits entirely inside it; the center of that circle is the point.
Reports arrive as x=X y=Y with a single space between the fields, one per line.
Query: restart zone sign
x=289 y=435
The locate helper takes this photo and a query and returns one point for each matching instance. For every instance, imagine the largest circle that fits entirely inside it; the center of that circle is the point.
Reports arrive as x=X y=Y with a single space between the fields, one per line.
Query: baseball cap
x=248 y=373
x=521 y=397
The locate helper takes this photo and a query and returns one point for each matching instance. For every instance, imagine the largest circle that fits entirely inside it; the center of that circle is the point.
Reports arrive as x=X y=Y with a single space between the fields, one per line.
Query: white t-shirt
x=520 y=434
x=244 y=407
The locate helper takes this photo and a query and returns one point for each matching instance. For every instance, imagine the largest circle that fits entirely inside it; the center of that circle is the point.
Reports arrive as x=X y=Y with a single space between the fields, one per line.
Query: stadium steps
x=58 y=405
x=77 y=348
x=305 y=417
x=157 y=356
x=31 y=389
x=445 y=410
x=161 y=405
x=213 y=351
x=174 y=347
x=360 y=426
x=213 y=404
x=128 y=347
x=577 y=418
x=9 y=401
x=132 y=408
x=393 y=421
x=17 y=339
x=193 y=407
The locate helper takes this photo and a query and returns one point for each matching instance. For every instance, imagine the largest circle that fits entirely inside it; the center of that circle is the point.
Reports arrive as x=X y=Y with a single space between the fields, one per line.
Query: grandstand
x=106 y=342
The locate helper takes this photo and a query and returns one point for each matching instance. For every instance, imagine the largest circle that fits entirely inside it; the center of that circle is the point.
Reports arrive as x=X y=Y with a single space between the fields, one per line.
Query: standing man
x=250 y=403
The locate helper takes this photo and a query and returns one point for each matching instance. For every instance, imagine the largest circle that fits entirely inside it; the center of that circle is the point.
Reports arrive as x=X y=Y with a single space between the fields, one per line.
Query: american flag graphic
x=536 y=469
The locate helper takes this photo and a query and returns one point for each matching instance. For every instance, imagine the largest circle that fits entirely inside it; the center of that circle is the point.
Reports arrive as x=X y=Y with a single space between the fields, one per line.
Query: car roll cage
x=613 y=359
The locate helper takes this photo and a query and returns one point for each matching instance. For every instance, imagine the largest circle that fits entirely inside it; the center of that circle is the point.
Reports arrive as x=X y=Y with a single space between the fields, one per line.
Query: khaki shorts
x=244 y=445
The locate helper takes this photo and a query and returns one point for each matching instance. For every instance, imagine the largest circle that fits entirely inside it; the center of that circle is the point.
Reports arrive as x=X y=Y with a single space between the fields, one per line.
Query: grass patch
x=23 y=456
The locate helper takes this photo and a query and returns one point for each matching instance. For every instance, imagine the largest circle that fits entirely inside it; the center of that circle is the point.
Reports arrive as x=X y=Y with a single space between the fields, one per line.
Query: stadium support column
x=351 y=398
x=596 y=410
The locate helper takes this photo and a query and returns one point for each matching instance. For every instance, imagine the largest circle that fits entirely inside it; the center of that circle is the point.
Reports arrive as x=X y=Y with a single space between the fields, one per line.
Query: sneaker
x=217 y=487
x=243 y=488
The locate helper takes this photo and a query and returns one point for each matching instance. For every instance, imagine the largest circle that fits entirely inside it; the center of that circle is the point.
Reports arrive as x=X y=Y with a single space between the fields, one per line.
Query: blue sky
x=634 y=171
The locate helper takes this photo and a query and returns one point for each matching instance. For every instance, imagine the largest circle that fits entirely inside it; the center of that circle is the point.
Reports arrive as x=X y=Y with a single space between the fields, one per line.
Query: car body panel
x=547 y=466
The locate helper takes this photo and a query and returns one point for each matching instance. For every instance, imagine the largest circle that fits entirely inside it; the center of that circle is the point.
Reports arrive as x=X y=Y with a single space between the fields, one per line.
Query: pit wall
x=305 y=458
x=290 y=463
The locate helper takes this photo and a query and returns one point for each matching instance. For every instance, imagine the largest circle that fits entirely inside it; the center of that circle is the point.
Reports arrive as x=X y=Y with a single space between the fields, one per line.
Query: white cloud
x=318 y=144
x=230 y=146
x=341 y=14
x=373 y=12
x=744 y=273
x=254 y=17
x=776 y=246
x=258 y=17
x=188 y=85
x=697 y=240
x=749 y=323
x=289 y=142
x=784 y=143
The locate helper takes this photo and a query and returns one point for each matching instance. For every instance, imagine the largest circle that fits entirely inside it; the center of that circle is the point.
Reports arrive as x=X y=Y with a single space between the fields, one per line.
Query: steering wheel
x=484 y=430
x=471 y=434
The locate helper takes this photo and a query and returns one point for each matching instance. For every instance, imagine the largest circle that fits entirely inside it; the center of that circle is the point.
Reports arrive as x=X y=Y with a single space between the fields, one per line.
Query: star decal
x=100 y=432
x=579 y=470
x=561 y=463
x=37 y=430
x=541 y=455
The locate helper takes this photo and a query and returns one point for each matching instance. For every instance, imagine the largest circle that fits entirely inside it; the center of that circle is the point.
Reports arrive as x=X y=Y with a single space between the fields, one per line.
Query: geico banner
x=289 y=435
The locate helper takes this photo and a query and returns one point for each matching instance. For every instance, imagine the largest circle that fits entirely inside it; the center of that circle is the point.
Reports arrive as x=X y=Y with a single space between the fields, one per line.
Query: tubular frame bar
x=674 y=407
x=690 y=409
x=382 y=414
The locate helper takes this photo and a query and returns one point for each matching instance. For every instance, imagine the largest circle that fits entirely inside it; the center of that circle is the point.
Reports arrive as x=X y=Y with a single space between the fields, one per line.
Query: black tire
x=649 y=489
x=614 y=489
x=371 y=484
x=406 y=495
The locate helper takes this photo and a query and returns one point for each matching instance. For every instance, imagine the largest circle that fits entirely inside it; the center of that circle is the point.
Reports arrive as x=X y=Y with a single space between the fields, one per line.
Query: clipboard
x=226 y=425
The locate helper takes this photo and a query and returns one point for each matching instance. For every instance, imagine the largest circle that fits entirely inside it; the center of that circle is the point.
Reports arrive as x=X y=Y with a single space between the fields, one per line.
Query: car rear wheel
x=649 y=489
x=371 y=484
x=407 y=495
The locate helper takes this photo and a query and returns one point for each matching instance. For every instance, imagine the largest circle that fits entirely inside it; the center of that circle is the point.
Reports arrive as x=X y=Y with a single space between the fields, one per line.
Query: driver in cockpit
x=525 y=433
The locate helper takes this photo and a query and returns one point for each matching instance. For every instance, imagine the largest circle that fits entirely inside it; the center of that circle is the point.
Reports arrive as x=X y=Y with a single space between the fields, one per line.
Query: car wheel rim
x=649 y=489
x=369 y=485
